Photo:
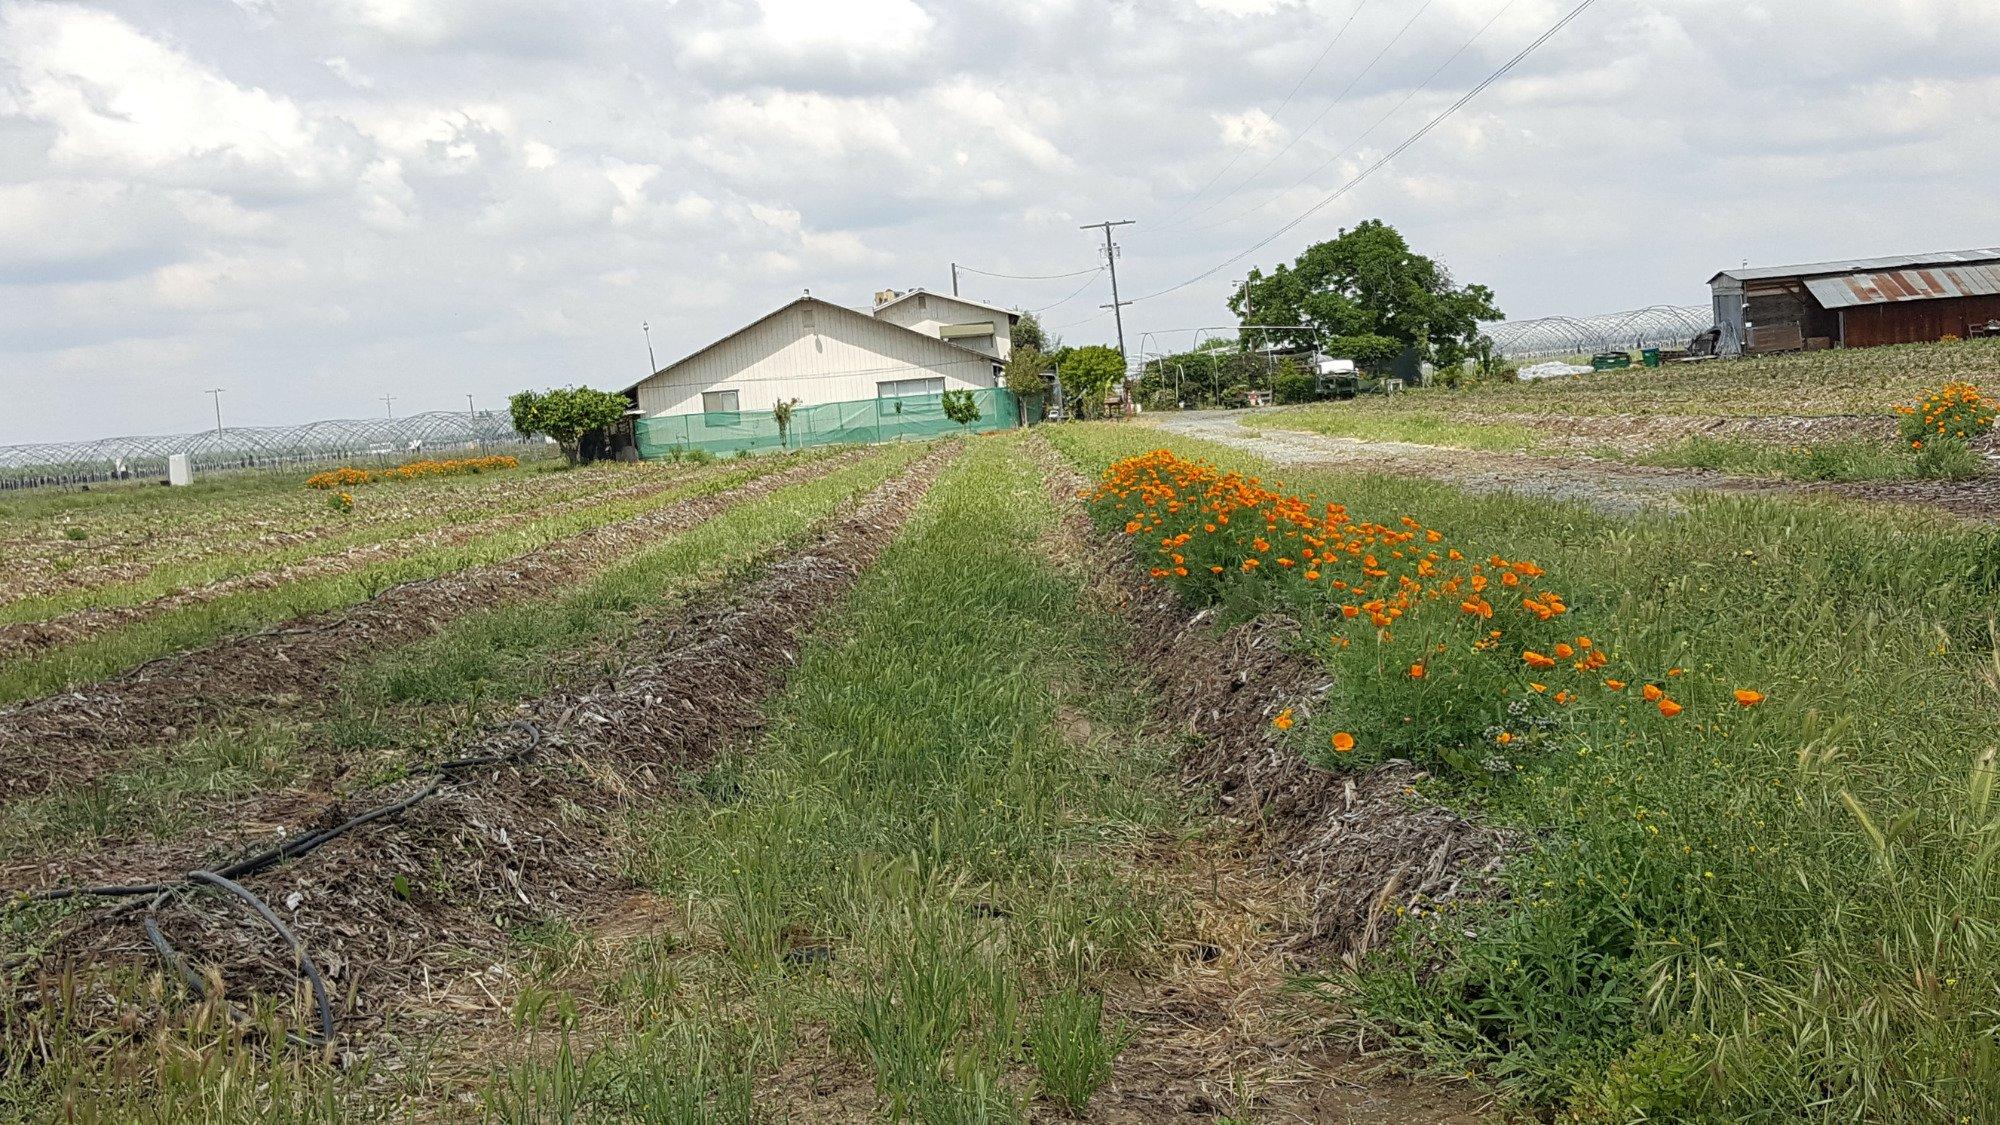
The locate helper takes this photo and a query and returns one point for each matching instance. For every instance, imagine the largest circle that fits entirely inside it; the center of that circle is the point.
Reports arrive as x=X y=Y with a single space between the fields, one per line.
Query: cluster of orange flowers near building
x=1400 y=585
x=1955 y=411
x=345 y=477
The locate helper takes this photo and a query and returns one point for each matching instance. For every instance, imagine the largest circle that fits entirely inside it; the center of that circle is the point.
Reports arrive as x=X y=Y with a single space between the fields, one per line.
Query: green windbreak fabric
x=833 y=423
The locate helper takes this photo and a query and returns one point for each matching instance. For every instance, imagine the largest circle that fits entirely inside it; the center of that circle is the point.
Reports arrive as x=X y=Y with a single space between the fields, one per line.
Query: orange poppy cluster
x=346 y=477
x=1202 y=529
x=1955 y=411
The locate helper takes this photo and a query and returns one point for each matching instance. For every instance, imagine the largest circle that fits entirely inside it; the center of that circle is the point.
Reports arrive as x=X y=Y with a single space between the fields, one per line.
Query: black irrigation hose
x=224 y=879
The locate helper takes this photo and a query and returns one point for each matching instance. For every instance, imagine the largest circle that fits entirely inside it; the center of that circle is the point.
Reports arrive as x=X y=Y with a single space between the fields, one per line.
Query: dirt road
x=1608 y=485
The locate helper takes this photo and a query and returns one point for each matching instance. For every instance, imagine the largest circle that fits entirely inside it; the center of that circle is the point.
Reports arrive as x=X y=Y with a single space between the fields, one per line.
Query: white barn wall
x=939 y=309
x=840 y=360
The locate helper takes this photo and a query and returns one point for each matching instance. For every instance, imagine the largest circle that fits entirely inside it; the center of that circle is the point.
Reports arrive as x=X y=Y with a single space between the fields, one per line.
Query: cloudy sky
x=316 y=203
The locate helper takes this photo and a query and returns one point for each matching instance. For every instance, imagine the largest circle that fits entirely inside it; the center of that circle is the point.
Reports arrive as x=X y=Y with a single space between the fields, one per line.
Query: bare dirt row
x=79 y=734
x=1321 y=867
x=402 y=915
x=27 y=638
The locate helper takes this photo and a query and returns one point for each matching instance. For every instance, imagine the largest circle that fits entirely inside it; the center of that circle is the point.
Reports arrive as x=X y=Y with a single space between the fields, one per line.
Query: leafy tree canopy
x=1369 y=296
x=1088 y=374
x=1028 y=333
x=566 y=414
x=961 y=407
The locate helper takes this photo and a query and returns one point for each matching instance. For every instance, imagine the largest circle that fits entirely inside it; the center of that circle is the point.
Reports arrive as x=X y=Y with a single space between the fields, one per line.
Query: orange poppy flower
x=1615 y=685
x=1284 y=719
x=1343 y=741
x=1652 y=692
x=1669 y=708
x=1537 y=660
x=1746 y=698
x=1416 y=671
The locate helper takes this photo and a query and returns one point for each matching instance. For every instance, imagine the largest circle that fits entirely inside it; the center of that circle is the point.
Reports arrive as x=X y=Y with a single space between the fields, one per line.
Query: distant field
x=1820 y=415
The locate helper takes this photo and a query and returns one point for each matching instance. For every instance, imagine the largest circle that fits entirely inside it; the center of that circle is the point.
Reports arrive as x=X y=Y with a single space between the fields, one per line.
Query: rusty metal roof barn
x=1858 y=303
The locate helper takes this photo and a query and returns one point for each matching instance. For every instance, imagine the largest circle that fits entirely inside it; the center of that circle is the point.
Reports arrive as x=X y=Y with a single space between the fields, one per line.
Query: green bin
x=1650 y=357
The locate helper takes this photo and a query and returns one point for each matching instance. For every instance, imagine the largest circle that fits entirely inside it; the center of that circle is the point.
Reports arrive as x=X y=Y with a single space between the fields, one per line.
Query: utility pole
x=954 y=279
x=653 y=364
x=390 y=402
x=216 y=394
x=1116 y=306
x=469 y=411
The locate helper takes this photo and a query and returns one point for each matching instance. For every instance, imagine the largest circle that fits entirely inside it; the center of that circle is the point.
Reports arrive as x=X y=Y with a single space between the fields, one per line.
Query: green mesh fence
x=834 y=423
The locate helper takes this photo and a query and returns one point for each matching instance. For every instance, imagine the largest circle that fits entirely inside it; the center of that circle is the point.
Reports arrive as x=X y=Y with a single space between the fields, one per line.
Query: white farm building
x=854 y=376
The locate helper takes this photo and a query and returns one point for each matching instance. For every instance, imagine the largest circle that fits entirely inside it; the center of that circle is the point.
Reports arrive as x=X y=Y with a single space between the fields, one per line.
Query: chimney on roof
x=884 y=296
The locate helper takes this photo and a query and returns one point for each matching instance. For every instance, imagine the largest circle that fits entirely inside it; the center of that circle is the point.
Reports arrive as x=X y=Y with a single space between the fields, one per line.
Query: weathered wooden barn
x=1858 y=304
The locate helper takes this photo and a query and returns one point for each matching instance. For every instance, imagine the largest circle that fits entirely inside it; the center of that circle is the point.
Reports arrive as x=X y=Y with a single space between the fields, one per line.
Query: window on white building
x=898 y=396
x=719 y=408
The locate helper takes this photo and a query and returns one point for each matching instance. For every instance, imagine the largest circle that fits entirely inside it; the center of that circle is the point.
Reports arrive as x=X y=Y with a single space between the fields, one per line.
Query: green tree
x=1367 y=296
x=1089 y=374
x=960 y=407
x=1028 y=333
x=566 y=414
x=781 y=412
x=1027 y=377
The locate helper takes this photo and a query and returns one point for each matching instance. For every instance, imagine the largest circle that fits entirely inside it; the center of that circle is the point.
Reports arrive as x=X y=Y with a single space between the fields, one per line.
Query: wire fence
x=355 y=441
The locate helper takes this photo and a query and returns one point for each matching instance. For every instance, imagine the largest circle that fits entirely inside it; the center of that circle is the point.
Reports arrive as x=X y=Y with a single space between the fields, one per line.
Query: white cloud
x=119 y=100
x=335 y=201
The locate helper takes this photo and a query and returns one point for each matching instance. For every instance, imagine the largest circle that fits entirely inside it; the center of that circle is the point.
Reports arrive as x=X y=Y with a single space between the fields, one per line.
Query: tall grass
x=1852 y=460
x=915 y=852
x=1771 y=913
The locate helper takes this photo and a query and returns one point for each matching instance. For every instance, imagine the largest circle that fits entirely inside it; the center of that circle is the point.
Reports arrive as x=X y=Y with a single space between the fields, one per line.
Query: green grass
x=188 y=626
x=476 y=668
x=1849 y=460
x=468 y=503
x=503 y=652
x=1347 y=420
x=913 y=860
x=1791 y=911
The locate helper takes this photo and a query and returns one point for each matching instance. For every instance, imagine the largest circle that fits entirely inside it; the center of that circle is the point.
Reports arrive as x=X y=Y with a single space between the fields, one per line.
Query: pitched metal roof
x=1012 y=315
x=1862 y=265
x=841 y=310
x=1881 y=287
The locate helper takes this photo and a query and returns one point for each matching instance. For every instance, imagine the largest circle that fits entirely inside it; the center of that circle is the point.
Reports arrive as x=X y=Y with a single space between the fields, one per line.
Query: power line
x=1087 y=283
x=1363 y=135
x=1296 y=87
x=1321 y=115
x=1030 y=276
x=1358 y=177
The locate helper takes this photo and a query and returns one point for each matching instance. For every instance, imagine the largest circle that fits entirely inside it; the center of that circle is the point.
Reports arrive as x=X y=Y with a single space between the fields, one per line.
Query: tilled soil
x=406 y=914
x=79 y=734
x=1354 y=851
x=1607 y=485
x=27 y=638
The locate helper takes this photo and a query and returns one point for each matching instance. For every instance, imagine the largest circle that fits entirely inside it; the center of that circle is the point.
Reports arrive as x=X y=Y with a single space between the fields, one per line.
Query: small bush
x=75 y=534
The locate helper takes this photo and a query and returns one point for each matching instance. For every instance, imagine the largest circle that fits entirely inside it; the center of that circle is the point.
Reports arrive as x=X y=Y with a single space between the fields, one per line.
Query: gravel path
x=1607 y=485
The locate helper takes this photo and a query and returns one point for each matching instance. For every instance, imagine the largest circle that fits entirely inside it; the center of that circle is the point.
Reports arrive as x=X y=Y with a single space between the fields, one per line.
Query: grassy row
x=188 y=626
x=909 y=874
x=489 y=658
x=471 y=501
x=1756 y=914
x=1849 y=459
x=1853 y=459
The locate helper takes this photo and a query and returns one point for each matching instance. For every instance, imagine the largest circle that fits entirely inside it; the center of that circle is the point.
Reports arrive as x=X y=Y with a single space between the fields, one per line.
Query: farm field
x=1735 y=412
x=1101 y=772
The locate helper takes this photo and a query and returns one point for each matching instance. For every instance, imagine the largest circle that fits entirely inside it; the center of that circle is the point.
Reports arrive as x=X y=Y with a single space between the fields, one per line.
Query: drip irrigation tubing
x=224 y=879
